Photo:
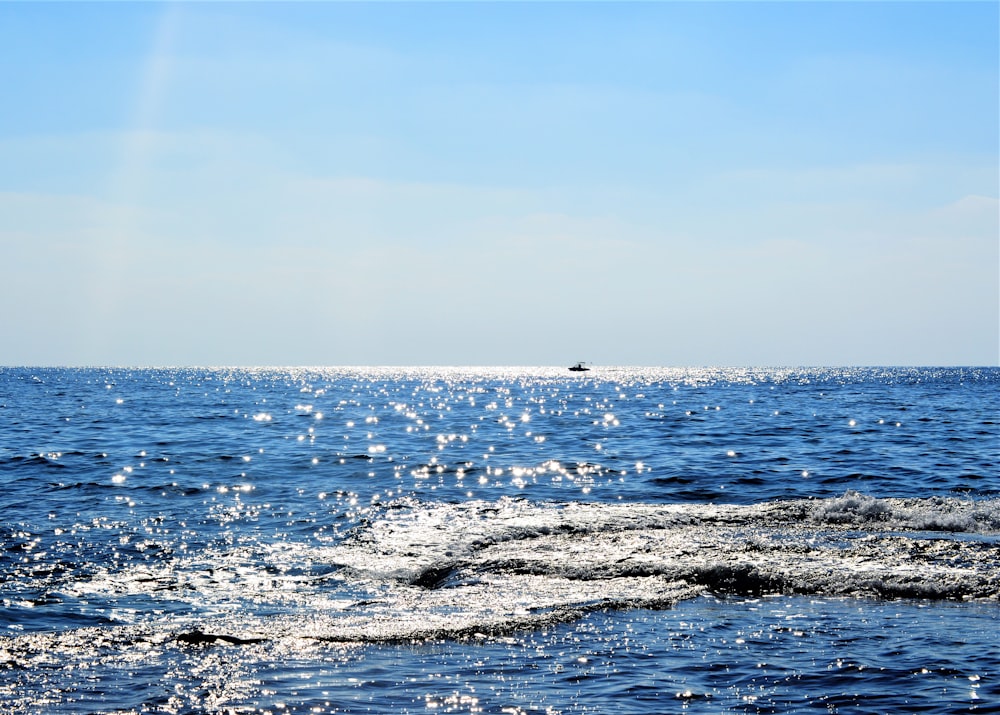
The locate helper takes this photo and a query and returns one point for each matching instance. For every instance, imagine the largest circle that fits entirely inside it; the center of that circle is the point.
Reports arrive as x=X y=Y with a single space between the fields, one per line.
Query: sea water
x=499 y=540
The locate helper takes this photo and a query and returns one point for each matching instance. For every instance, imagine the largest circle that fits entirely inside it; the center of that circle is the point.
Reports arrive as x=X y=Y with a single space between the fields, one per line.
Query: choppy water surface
x=499 y=540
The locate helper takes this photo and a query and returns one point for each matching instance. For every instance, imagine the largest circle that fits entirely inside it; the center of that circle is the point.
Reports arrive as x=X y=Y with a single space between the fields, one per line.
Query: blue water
x=516 y=540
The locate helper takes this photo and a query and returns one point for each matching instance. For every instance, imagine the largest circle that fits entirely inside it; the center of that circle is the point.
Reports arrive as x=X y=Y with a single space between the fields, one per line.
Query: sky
x=510 y=183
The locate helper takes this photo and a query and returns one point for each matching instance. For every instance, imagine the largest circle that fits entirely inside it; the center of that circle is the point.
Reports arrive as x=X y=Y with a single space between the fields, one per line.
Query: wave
x=413 y=571
x=932 y=514
x=487 y=567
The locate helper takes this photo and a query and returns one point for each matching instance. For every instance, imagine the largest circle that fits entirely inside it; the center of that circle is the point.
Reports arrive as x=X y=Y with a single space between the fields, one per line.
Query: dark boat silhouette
x=579 y=367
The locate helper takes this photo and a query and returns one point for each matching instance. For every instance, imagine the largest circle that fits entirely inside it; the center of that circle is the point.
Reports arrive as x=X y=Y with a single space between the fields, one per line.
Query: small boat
x=579 y=367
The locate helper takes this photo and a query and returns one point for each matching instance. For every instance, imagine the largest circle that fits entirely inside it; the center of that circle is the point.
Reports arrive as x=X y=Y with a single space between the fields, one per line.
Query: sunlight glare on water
x=498 y=539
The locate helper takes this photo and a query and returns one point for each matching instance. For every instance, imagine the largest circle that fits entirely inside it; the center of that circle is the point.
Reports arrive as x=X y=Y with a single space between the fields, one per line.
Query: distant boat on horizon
x=579 y=367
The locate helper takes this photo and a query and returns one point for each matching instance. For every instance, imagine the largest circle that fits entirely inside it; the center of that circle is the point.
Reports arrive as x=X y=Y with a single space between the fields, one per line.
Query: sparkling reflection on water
x=140 y=503
x=777 y=654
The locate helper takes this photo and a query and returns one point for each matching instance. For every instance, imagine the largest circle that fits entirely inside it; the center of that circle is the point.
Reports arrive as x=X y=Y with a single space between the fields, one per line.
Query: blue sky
x=725 y=183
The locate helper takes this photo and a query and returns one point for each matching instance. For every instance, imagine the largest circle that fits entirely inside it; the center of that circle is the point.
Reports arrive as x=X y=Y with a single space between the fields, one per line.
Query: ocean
x=499 y=540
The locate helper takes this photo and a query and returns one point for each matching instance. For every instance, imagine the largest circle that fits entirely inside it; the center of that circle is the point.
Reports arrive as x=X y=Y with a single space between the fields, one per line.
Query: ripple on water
x=707 y=655
x=140 y=505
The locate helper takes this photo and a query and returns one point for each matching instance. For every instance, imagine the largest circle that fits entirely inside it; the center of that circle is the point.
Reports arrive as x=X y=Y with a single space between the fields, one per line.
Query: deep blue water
x=515 y=540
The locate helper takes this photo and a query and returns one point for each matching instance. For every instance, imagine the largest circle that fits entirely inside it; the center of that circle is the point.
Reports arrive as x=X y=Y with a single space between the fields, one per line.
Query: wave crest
x=511 y=558
x=932 y=514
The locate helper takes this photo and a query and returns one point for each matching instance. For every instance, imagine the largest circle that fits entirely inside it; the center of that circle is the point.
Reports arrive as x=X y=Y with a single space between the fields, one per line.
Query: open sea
x=499 y=540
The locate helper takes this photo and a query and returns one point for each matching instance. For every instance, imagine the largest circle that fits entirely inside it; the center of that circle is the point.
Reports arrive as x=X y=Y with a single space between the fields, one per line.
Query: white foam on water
x=417 y=571
x=946 y=514
x=482 y=562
